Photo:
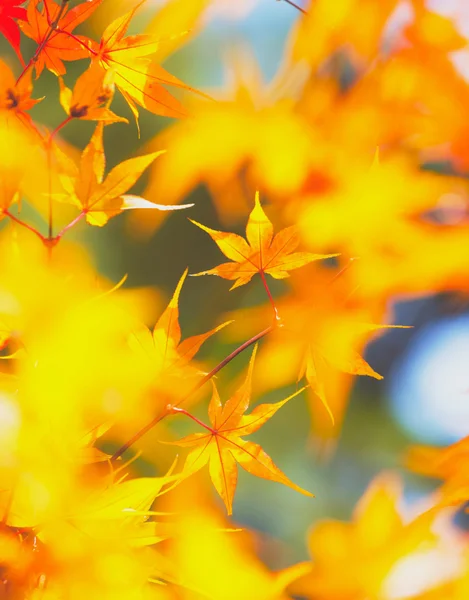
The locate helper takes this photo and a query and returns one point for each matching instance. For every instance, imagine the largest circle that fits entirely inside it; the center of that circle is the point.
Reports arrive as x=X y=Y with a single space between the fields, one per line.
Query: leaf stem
x=170 y=409
x=183 y=411
x=72 y=223
x=14 y=218
x=58 y=128
x=269 y=294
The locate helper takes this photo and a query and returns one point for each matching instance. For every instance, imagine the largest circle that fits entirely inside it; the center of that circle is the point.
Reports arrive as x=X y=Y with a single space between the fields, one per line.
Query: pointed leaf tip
x=175 y=298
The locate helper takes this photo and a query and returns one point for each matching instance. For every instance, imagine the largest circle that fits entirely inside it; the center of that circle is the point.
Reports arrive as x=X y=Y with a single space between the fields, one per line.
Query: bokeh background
x=423 y=397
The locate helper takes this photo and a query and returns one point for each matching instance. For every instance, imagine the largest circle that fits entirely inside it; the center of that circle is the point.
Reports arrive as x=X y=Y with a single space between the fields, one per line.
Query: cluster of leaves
x=356 y=227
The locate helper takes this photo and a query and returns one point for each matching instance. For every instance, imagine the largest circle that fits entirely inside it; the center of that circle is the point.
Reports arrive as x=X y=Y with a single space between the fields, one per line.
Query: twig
x=291 y=3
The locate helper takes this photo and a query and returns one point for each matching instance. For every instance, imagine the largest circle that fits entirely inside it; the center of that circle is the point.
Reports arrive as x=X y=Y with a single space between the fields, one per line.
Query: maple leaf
x=197 y=154
x=434 y=33
x=139 y=79
x=222 y=448
x=330 y=26
x=214 y=560
x=263 y=252
x=400 y=249
x=168 y=357
x=448 y=464
x=9 y=11
x=15 y=95
x=323 y=334
x=101 y=198
x=92 y=93
x=175 y=16
x=121 y=511
x=15 y=144
x=60 y=44
x=365 y=550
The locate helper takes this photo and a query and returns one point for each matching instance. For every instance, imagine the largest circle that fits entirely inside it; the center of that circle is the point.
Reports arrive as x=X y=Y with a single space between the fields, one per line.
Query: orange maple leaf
x=448 y=464
x=139 y=79
x=330 y=26
x=15 y=145
x=59 y=44
x=223 y=447
x=364 y=551
x=263 y=252
x=91 y=96
x=323 y=334
x=15 y=95
x=101 y=198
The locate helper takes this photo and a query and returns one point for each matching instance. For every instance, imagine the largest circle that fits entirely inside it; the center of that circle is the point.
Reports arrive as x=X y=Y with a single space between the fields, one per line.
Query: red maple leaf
x=9 y=11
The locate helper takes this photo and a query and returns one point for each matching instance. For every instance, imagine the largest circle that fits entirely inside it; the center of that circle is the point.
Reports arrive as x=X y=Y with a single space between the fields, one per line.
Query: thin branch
x=291 y=3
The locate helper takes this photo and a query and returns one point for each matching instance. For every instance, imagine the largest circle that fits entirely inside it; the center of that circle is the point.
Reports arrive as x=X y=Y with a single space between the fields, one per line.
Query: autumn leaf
x=174 y=17
x=91 y=96
x=99 y=197
x=59 y=44
x=400 y=250
x=330 y=26
x=208 y=556
x=262 y=253
x=229 y=164
x=121 y=511
x=433 y=32
x=139 y=79
x=448 y=464
x=222 y=448
x=169 y=358
x=365 y=550
x=15 y=95
x=10 y=11
x=12 y=165
x=324 y=332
